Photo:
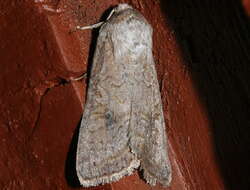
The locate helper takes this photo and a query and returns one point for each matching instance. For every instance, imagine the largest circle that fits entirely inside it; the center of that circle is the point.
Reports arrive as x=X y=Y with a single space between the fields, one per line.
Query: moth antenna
x=97 y=25
x=110 y=14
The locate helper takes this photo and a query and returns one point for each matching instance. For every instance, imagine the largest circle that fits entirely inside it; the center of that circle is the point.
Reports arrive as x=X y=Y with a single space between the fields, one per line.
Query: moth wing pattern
x=148 y=118
x=147 y=132
x=123 y=126
x=103 y=154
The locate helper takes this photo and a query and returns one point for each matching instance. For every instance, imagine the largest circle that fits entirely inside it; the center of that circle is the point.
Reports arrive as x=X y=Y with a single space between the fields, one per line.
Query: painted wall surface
x=201 y=50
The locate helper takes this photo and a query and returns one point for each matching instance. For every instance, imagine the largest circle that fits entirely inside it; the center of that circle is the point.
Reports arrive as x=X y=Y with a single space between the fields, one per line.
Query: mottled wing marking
x=123 y=123
x=103 y=154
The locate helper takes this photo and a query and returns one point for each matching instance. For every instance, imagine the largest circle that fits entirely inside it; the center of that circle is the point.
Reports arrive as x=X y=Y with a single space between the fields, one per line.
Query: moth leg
x=51 y=9
x=47 y=7
x=90 y=26
x=84 y=75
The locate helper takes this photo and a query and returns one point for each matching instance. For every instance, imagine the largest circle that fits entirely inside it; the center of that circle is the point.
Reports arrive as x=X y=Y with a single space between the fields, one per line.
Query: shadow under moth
x=123 y=126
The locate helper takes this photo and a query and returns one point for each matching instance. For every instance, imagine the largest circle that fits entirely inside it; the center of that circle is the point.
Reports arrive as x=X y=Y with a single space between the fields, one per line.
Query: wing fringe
x=110 y=178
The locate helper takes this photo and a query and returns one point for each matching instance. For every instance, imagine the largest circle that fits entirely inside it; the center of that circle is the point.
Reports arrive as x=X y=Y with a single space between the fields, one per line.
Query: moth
x=123 y=126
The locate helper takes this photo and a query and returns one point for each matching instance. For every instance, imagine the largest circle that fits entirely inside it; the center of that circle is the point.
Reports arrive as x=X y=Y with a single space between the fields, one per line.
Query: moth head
x=122 y=7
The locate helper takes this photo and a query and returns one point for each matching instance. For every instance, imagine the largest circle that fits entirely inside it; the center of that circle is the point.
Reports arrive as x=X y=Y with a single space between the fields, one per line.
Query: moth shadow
x=70 y=165
x=214 y=40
